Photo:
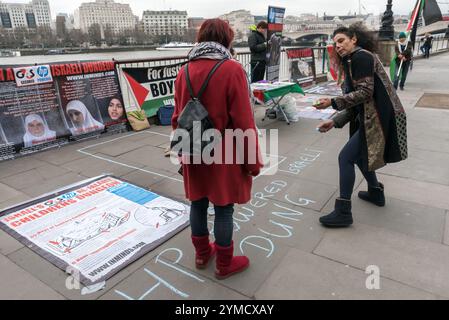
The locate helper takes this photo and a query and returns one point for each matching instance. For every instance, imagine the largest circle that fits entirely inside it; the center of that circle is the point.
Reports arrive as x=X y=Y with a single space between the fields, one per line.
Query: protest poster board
x=30 y=117
x=301 y=66
x=152 y=87
x=57 y=104
x=92 y=90
x=97 y=227
x=274 y=39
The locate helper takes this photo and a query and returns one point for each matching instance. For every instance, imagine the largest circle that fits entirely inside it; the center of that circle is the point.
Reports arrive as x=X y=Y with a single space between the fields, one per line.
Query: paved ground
x=292 y=256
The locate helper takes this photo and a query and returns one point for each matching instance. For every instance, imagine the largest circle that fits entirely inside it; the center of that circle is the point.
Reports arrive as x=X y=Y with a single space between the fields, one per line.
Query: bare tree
x=94 y=33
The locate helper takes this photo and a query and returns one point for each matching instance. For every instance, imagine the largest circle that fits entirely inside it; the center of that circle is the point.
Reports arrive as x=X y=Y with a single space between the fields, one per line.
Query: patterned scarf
x=209 y=50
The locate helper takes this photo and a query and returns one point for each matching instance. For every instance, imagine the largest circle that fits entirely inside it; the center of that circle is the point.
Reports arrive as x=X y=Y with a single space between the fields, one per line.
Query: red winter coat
x=228 y=104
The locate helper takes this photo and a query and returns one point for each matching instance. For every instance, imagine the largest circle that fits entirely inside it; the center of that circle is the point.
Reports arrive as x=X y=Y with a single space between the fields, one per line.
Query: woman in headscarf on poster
x=82 y=120
x=37 y=131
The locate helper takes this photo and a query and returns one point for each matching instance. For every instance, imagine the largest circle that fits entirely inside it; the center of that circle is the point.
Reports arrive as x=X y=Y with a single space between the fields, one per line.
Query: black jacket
x=408 y=53
x=258 y=46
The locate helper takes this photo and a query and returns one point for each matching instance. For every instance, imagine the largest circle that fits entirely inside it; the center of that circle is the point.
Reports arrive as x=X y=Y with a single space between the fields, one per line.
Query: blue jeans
x=223 y=225
x=351 y=155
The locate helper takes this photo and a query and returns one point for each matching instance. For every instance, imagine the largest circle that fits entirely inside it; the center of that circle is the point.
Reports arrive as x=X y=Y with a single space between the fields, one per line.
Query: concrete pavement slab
x=53 y=184
x=426 y=166
x=413 y=262
x=291 y=190
x=304 y=276
x=57 y=279
x=14 y=201
x=92 y=167
x=172 y=188
x=115 y=148
x=6 y=192
x=60 y=156
x=151 y=157
x=34 y=177
x=428 y=194
x=161 y=279
x=144 y=177
x=16 y=166
x=17 y=284
x=400 y=216
x=263 y=234
x=8 y=244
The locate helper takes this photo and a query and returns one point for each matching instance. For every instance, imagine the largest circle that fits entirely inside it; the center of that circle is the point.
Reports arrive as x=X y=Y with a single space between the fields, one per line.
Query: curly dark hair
x=365 y=38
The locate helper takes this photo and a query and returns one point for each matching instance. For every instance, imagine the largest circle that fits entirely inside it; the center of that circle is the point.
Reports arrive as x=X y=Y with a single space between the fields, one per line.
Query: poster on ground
x=274 y=38
x=96 y=228
x=305 y=109
x=302 y=66
x=47 y=106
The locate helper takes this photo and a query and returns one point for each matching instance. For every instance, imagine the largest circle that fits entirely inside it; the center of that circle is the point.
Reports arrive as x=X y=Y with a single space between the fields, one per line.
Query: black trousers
x=350 y=156
x=223 y=224
x=258 y=71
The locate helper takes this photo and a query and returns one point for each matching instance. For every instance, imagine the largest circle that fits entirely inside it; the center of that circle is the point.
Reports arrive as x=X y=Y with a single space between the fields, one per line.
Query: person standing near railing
x=427 y=46
x=257 y=42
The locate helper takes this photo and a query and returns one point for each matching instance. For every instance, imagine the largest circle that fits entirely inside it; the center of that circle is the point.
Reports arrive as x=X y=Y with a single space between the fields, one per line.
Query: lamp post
x=386 y=31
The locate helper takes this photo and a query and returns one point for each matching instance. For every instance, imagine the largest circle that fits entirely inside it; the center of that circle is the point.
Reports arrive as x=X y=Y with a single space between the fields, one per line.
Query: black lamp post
x=386 y=31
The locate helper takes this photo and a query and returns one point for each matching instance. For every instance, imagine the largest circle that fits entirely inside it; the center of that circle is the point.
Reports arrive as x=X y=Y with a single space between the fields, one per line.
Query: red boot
x=227 y=264
x=204 y=251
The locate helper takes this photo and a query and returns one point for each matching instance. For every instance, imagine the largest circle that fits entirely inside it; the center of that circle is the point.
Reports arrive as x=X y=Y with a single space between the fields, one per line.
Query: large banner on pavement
x=45 y=106
x=96 y=228
x=152 y=87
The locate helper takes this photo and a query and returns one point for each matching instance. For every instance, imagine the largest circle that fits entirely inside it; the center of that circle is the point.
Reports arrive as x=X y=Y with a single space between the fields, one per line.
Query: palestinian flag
x=412 y=28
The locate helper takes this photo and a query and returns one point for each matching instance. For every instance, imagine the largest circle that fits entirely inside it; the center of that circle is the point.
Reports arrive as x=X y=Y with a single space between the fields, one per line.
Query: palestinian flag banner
x=412 y=28
x=152 y=87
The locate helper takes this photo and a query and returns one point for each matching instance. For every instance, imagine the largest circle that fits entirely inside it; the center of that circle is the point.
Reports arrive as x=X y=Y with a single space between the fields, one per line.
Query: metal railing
x=321 y=66
x=319 y=54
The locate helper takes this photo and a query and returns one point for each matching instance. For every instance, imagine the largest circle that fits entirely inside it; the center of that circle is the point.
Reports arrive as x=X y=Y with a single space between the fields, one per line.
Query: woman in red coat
x=223 y=184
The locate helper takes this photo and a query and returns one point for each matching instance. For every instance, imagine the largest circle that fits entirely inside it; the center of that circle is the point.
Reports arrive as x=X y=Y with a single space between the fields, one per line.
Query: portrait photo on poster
x=36 y=130
x=112 y=110
x=81 y=119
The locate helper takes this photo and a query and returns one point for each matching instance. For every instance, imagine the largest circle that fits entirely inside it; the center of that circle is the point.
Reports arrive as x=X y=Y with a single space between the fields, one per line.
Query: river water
x=125 y=55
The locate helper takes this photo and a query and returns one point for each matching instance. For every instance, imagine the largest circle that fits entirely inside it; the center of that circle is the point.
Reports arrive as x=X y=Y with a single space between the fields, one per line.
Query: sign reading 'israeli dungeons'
x=156 y=83
x=46 y=106
x=96 y=228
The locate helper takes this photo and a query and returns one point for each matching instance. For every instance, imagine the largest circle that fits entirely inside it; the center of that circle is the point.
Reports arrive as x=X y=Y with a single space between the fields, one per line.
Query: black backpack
x=194 y=111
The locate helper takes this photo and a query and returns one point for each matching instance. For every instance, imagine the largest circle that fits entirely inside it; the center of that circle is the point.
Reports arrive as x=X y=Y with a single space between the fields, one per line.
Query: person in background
x=257 y=42
x=228 y=105
x=427 y=46
x=404 y=53
x=377 y=121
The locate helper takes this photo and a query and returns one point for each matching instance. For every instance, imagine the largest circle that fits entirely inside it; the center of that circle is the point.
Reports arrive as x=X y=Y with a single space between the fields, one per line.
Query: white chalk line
x=82 y=150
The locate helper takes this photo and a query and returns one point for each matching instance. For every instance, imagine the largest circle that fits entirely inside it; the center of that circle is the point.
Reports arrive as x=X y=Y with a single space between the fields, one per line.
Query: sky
x=214 y=8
